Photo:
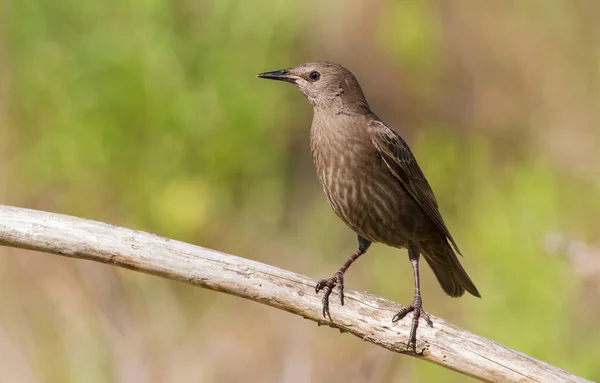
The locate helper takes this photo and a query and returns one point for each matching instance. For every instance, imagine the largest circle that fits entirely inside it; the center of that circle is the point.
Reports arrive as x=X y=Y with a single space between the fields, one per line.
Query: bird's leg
x=417 y=304
x=338 y=277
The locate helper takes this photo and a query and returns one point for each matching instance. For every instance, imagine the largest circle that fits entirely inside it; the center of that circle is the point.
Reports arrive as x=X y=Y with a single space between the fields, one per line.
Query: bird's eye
x=314 y=76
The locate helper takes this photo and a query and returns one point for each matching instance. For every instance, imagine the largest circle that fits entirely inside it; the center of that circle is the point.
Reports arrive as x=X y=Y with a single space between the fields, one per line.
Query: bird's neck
x=340 y=104
x=337 y=130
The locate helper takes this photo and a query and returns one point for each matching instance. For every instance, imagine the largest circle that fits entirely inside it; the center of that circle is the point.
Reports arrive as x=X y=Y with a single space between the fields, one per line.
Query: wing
x=403 y=165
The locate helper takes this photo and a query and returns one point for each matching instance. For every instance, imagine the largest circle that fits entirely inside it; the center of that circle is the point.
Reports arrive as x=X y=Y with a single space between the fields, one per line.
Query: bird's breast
x=358 y=185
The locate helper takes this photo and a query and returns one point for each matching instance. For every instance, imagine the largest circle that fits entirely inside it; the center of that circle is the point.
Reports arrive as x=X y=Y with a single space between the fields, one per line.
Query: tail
x=447 y=269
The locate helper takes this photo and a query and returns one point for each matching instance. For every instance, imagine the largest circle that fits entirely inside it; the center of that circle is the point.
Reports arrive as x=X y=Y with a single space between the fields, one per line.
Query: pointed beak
x=281 y=75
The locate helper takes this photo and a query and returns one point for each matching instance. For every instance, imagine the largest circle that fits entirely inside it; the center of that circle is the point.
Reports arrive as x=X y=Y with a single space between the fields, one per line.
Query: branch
x=364 y=315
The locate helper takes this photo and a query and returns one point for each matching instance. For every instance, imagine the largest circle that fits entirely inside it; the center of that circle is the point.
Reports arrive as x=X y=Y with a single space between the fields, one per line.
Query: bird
x=374 y=185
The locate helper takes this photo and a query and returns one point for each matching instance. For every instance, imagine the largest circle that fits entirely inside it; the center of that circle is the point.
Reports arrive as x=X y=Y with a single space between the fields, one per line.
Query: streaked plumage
x=373 y=182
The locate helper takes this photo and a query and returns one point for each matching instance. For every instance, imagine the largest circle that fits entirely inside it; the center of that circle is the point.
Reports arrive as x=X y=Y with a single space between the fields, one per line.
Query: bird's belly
x=376 y=207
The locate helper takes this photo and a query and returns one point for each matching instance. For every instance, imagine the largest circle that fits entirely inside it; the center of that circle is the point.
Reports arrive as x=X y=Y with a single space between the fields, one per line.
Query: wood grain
x=365 y=316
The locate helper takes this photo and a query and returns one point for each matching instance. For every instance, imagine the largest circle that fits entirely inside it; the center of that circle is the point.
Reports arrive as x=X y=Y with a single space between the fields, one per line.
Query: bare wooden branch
x=364 y=315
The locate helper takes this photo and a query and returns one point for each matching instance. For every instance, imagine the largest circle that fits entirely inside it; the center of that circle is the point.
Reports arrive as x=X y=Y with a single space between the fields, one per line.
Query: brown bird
x=373 y=183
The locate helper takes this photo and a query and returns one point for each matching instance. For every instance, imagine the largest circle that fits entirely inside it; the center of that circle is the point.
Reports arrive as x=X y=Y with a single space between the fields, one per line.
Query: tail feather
x=449 y=272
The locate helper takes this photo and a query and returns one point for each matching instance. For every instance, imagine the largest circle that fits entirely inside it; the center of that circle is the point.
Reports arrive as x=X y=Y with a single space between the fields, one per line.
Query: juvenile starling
x=373 y=183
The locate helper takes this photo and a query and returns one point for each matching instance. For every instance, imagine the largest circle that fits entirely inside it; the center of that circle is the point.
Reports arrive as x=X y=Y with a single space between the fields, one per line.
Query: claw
x=417 y=309
x=320 y=285
x=339 y=281
x=327 y=285
x=338 y=278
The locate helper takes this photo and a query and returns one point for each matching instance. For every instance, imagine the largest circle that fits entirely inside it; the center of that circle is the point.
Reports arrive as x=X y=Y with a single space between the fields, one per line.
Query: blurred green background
x=147 y=114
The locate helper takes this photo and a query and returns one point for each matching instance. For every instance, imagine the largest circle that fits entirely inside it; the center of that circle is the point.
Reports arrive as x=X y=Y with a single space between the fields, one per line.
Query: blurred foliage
x=147 y=96
x=147 y=114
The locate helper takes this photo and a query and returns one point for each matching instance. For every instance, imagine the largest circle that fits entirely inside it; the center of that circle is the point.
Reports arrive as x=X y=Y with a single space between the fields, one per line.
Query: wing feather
x=403 y=165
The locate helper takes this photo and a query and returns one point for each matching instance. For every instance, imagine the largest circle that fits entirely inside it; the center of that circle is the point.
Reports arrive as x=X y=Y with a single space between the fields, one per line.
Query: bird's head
x=325 y=84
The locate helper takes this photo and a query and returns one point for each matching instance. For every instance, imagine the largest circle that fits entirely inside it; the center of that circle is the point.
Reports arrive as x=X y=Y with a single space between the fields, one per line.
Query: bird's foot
x=328 y=285
x=417 y=309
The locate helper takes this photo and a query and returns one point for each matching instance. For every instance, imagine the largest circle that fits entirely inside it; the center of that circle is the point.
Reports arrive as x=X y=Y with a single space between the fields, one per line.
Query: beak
x=281 y=75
